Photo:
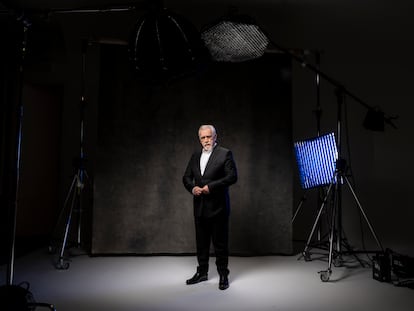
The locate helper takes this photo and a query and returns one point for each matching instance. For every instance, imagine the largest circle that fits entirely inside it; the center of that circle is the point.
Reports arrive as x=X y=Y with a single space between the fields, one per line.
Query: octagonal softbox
x=165 y=45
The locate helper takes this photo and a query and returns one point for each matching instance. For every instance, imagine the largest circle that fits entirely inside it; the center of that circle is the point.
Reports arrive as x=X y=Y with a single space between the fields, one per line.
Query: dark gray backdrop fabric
x=146 y=135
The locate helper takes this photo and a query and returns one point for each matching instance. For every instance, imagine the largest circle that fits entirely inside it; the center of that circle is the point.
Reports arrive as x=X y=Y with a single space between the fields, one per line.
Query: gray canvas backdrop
x=146 y=134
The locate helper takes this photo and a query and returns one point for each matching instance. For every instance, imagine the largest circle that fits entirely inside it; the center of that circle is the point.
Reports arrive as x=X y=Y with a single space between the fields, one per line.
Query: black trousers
x=216 y=230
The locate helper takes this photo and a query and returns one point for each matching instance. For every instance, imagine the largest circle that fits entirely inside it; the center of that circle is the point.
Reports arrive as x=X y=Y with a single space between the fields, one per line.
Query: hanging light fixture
x=235 y=38
x=165 y=45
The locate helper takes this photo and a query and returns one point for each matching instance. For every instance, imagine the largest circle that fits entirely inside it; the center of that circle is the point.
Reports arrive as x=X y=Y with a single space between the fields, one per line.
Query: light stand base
x=74 y=196
x=335 y=234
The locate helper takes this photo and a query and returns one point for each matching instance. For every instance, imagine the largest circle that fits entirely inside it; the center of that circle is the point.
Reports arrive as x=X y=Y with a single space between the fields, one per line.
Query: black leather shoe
x=224 y=282
x=197 y=278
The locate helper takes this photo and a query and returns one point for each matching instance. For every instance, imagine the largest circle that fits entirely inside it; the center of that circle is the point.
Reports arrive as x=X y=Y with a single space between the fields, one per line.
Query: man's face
x=207 y=139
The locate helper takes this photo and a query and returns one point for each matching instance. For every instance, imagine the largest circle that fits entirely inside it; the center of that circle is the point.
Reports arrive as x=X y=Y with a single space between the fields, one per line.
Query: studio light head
x=316 y=159
x=164 y=45
x=235 y=38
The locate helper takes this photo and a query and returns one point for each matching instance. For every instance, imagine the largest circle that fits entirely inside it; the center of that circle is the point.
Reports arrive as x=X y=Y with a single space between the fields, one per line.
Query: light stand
x=318 y=113
x=335 y=232
x=13 y=216
x=16 y=297
x=73 y=200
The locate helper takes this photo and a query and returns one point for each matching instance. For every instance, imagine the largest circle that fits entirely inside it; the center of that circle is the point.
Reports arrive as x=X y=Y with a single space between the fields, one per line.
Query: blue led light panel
x=316 y=160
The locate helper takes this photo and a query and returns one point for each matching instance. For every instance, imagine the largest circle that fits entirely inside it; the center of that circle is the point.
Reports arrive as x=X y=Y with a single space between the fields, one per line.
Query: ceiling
x=46 y=7
x=105 y=4
x=66 y=4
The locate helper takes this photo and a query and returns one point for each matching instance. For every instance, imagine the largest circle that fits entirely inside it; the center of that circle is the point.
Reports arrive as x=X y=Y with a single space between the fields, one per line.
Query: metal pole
x=10 y=265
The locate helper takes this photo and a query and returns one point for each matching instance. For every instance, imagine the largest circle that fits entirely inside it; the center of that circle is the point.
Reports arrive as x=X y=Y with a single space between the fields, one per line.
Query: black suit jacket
x=219 y=174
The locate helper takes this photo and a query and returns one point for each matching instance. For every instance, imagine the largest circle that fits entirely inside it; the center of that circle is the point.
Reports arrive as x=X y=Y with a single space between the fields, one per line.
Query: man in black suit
x=208 y=175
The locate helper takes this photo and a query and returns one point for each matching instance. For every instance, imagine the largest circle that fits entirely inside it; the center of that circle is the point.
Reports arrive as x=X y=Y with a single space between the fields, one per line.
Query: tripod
x=74 y=195
x=335 y=232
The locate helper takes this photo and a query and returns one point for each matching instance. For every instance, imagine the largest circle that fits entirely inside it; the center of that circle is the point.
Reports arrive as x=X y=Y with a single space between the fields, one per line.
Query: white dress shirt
x=205 y=155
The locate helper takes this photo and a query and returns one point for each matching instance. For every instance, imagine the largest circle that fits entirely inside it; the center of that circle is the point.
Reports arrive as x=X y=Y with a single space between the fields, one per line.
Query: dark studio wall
x=366 y=46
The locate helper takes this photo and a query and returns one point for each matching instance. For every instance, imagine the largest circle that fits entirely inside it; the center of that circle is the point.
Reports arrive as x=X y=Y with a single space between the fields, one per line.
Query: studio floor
x=274 y=283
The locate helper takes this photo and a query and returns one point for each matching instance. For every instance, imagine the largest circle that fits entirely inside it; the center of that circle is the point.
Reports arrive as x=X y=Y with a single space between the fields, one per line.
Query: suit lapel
x=197 y=164
x=211 y=159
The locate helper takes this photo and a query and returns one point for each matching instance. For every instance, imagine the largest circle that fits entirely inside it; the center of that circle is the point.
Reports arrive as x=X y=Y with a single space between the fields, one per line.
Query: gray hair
x=208 y=126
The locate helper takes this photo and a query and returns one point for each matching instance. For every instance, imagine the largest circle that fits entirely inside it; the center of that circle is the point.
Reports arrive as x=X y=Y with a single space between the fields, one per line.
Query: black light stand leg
x=326 y=274
x=61 y=264
x=305 y=252
x=371 y=228
x=72 y=204
x=337 y=215
x=80 y=184
x=52 y=248
x=302 y=200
